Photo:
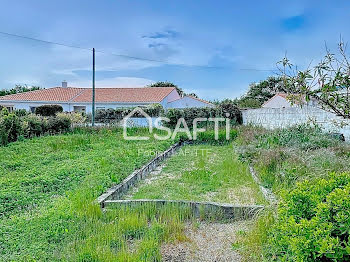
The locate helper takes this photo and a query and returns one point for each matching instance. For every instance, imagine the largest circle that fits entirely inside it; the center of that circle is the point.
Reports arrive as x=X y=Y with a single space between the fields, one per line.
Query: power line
x=127 y=56
x=157 y=61
x=103 y=52
x=44 y=41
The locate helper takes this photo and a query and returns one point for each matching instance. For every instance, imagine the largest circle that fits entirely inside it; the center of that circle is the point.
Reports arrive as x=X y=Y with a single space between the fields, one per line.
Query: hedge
x=15 y=125
x=223 y=110
x=115 y=115
x=189 y=114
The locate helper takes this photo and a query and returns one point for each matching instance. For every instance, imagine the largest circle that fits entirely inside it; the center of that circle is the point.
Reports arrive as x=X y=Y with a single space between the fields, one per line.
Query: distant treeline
x=18 y=89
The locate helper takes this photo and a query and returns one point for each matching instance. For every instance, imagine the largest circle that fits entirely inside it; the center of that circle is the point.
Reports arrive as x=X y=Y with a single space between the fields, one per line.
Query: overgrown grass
x=203 y=173
x=127 y=234
x=48 y=187
x=285 y=159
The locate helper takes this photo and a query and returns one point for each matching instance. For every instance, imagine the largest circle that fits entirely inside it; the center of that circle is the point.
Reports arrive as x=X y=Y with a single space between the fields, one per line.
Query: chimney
x=64 y=84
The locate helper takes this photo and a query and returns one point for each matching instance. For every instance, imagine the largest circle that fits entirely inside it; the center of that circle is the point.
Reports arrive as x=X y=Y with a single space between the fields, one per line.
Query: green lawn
x=47 y=191
x=202 y=173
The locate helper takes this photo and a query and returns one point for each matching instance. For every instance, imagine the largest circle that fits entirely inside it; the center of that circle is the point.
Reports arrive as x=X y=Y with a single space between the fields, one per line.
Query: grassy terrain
x=47 y=189
x=299 y=165
x=202 y=173
x=284 y=157
x=127 y=234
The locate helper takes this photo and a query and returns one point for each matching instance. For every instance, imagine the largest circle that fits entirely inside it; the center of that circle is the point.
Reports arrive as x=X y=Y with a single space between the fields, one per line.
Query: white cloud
x=114 y=82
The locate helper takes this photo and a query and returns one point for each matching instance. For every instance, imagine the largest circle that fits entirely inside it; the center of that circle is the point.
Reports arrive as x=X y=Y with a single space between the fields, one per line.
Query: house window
x=79 y=108
x=32 y=109
x=9 y=108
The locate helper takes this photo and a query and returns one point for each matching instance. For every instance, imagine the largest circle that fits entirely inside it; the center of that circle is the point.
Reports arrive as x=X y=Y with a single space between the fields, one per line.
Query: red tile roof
x=71 y=94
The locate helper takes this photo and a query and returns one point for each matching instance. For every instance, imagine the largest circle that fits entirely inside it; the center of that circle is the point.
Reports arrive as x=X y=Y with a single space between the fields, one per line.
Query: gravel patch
x=208 y=242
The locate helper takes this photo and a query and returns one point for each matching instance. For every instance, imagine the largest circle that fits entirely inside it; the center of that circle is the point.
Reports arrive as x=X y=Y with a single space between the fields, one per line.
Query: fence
x=286 y=117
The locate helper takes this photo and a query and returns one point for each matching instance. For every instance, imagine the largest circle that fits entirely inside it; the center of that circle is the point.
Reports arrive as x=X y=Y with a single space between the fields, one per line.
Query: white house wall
x=277 y=102
x=28 y=105
x=171 y=97
x=286 y=117
x=109 y=105
x=281 y=102
x=69 y=107
x=187 y=102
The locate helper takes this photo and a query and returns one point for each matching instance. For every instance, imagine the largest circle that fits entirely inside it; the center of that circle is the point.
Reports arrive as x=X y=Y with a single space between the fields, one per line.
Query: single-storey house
x=80 y=99
x=280 y=100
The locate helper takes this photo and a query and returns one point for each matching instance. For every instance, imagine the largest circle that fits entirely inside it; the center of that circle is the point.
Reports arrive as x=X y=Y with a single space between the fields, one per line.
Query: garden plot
x=201 y=173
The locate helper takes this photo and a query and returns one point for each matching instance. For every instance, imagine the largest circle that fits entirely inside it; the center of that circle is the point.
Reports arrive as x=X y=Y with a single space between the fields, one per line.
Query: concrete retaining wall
x=211 y=210
x=204 y=210
x=286 y=117
x=117 y=191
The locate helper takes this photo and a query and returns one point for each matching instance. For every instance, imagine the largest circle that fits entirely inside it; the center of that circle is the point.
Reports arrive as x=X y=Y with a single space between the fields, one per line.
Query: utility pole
x=93 y=87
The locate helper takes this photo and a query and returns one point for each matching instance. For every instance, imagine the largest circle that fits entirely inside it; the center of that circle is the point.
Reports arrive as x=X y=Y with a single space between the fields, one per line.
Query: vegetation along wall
x=286 y=117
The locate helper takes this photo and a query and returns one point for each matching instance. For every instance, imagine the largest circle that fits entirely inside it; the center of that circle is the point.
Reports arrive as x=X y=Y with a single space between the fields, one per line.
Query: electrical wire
x=127 y=56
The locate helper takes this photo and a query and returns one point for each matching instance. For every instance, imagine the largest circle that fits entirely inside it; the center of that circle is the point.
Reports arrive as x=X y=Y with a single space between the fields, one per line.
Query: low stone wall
x=117 y=191
x=204 y=210
x=211 y=210
x=267 y=193
x=286 y=117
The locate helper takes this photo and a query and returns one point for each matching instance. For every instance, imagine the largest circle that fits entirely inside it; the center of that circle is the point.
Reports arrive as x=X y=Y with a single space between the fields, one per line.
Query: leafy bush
x=48 y=110
x=32 y=125
x=229 y=109
x=76 y=118
x=58 y=124
x=313 y=222
x=10 y=127
x=21 y=112
x=16 y=125
x=116 y=115
x=189 y=114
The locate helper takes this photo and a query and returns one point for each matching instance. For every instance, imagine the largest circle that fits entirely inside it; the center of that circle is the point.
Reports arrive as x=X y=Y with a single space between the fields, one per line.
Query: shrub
x=10 y=127
x=313 y=222
x=189 y=114
x=48 y=110
x=115 y=115
x=13 y=127
x=232 y=110
x=32 y=125
x=21 y=112
x=75 y=118
x=59 y=124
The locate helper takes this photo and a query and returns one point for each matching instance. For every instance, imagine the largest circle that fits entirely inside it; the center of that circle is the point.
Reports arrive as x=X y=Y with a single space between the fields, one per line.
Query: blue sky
x=213 y=48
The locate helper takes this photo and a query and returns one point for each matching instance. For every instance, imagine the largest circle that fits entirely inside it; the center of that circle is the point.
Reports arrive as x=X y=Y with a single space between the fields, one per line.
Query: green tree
x=328 y=82
x=260 y=92
x=170 y=84
x=18 y=89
